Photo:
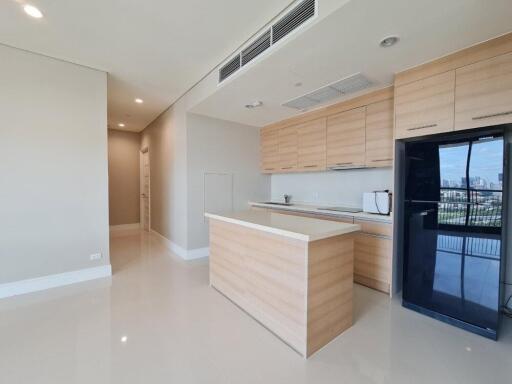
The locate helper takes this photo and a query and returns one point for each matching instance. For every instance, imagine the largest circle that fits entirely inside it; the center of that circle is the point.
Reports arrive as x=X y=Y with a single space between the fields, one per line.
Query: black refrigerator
x=453 y=229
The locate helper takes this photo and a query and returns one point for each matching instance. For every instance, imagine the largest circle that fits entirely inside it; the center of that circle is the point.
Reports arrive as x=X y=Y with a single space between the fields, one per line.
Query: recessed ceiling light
x=389 y=41
x=139 y=101
x=121 y=125
x=256 y=104
x=124 y=339
x=32 y=11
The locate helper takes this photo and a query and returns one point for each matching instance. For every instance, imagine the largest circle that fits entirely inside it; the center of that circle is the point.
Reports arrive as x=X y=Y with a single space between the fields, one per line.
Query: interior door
x=145 y=191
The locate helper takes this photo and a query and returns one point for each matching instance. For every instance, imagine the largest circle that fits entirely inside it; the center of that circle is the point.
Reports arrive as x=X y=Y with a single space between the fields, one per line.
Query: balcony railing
x=476 y=207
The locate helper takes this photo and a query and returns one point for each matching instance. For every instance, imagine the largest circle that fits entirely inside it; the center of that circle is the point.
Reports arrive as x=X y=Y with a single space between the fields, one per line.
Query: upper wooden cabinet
x=312 y=145
x=346 y=139
x=269 y=149
x=379 y=134
x=426 y=106
x=288 y=148
x=483 y=93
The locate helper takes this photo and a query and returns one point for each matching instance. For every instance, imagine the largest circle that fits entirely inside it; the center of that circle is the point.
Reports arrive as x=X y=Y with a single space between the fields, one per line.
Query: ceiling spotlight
x=121 y=125
x=124 y=339
x=32 y=11
x=256 y=104
x=389 y=41
x=139 y=101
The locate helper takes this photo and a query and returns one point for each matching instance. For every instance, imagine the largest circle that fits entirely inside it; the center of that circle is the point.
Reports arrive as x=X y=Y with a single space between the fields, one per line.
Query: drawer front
x=426 y=106
x=375 y=228
x=483 y=93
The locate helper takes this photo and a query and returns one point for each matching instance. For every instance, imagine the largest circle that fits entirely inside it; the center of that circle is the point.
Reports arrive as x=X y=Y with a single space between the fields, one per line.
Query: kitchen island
x=292 y=274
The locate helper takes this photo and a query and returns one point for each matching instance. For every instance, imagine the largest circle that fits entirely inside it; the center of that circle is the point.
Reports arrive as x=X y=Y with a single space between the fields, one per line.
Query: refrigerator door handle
x=425 y=213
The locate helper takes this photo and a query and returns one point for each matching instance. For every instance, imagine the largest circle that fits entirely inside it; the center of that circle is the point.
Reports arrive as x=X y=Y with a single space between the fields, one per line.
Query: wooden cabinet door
x=269 y=149
x=312 y=145
x=346 y=139
x=372 y=261
x=483 y=93
x=379 y=134
x=426 y=106
x=288 y=149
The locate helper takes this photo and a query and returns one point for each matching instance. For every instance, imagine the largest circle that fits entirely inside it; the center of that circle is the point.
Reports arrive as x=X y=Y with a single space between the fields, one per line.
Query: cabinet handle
x=377 y=160
x=344 y=163
x=310 y=166
x=422 y=127
x=286 y=167
x=269 y=169
x=493 y=115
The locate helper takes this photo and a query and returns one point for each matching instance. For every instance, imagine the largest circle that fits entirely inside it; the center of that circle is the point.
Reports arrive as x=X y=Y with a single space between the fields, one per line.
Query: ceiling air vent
x=348 y=85
x=296 y=17
x=229 y=68
x=257 y=47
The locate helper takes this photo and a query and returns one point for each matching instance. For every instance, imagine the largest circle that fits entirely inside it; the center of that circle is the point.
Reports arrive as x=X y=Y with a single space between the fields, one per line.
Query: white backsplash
x=337 y=188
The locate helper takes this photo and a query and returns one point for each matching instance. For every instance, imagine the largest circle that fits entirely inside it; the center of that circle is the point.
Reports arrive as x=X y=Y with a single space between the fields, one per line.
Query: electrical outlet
x=95 y=256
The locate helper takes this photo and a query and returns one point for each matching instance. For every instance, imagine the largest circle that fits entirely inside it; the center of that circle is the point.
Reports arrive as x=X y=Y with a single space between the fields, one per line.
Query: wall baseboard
x=52 y=281
x=123 y=227
x=185 y=254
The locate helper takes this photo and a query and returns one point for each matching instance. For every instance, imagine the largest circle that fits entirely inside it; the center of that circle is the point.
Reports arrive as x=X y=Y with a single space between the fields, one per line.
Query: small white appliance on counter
x=377 y=202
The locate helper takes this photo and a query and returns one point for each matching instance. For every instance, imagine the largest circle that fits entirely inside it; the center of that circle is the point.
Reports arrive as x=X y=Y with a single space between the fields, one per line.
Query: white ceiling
x=346 y=42
x=153 y=49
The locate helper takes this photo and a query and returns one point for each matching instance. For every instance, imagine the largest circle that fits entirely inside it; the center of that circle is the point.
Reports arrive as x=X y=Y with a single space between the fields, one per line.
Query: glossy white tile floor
x=176 y=329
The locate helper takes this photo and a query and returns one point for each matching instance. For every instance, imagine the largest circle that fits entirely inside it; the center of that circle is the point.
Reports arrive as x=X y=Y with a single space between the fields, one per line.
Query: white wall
x=337 y=188
x=166 y=138
x=54 y=177
x=218 y=146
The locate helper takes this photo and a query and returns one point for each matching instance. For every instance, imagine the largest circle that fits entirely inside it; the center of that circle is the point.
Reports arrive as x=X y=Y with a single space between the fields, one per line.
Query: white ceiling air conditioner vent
x=229 y=68
x=348 y=85
x=296 y=17
x=257 y=47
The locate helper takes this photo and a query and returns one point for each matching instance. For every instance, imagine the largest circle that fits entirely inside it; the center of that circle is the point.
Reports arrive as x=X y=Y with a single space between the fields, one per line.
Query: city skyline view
x=486 y=164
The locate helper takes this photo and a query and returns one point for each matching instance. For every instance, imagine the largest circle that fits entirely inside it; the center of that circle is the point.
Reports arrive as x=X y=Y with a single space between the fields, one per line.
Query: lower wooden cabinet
x=372 y=261
x=373 y=248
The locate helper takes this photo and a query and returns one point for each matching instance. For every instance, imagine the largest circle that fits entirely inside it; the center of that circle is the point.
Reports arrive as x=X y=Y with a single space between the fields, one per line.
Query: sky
x=486 y=160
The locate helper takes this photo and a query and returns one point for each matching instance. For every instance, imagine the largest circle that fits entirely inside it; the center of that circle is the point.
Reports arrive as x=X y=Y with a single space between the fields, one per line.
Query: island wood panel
x=288 y=149
x=346 y=138
x=379 y=134
x=312 y=145
x=483 y=93
x=425 y=107
x=372 y=261
x=483 y=51
x=330 y=290
x=272 y=272
x=269 y=149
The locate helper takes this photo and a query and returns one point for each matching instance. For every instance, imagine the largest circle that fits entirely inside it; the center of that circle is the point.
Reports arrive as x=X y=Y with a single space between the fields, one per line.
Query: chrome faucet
x=287 y=198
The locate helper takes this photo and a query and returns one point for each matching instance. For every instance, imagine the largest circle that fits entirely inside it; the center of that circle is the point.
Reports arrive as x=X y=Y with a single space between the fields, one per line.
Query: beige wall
x=221 y=147
x=166 y=140
x=123 y=173
x=54 y=168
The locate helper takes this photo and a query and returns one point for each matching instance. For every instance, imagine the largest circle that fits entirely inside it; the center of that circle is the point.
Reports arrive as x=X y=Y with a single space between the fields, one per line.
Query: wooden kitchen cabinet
x=372 y=261
x=288 y=148
x=312 y=145
x=425 y=106
x=483 y=93
x=379 y=134
x=269 y=149
x=346 y=139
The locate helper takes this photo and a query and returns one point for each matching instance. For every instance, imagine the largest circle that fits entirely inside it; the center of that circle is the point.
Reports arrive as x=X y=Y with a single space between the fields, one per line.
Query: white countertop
x=296 y=227
x=317 y=210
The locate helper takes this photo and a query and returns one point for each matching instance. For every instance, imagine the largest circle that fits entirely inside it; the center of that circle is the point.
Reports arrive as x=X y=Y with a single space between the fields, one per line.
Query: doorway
x=145 y=190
